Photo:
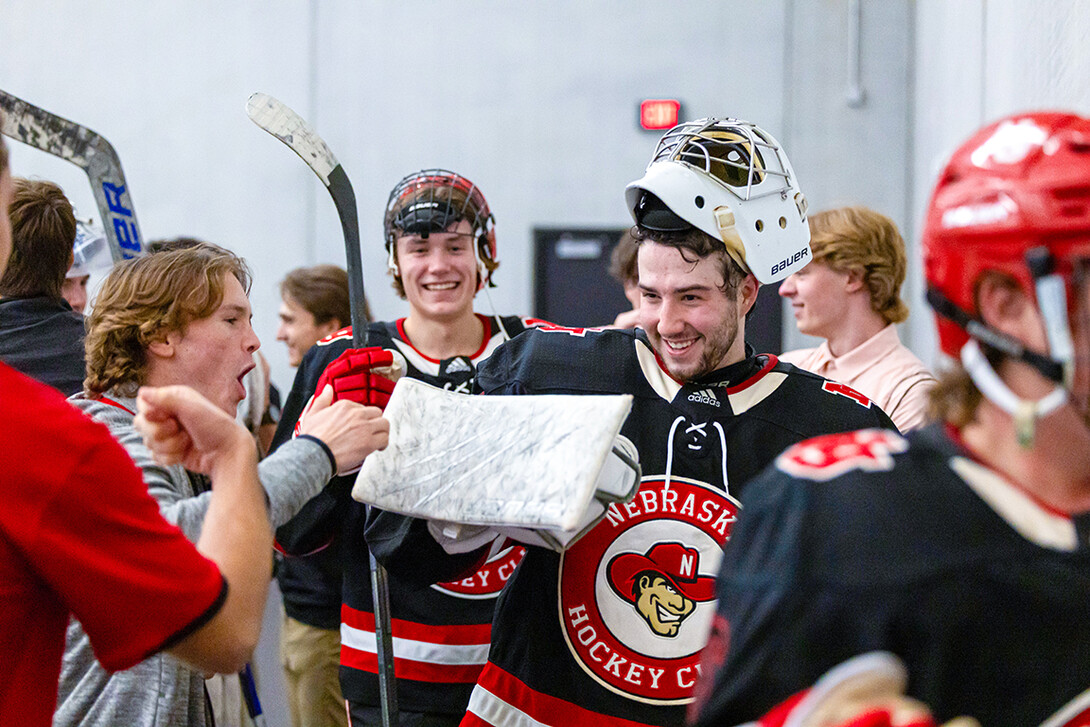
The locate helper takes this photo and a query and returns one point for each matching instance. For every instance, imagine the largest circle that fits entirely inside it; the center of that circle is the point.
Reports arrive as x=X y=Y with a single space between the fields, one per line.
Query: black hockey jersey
x=872 y=541
x=441 y=631
x=610 y=632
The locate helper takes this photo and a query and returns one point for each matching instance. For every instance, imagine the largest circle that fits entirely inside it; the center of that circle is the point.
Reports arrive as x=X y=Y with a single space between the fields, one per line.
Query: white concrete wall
x=977 y=60
x=534 y=101
x=850 y=149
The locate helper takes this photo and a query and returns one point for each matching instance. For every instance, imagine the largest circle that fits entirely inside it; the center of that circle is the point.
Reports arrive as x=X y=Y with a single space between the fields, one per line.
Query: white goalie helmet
x=732 y=180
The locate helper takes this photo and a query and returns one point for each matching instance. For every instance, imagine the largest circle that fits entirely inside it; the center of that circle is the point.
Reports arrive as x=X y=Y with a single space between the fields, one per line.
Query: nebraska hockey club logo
x=637 y=593
x=489 y=580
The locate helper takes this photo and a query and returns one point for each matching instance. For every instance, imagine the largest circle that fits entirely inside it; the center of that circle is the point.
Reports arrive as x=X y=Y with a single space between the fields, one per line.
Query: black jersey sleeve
x=822 y=406
x=494 y=375
x=319 y=519
x=406 y=549
x=554 y=359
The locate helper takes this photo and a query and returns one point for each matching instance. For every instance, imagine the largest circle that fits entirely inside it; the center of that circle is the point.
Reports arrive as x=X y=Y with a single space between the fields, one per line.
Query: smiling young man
x=313 y=304
x=850 y=295
x=610 y=631
x=442 y=251
x=183 y=317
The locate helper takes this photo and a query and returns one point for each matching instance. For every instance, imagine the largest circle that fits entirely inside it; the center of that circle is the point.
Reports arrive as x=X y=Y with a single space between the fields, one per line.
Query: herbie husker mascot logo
x=637 y=593
x=663 y=585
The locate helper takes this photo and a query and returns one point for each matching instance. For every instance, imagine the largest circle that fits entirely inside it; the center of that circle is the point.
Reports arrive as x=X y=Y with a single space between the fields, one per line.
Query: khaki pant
x=311 y=658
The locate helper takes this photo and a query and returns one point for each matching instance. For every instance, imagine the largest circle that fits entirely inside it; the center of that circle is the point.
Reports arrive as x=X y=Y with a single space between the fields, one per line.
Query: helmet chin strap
x=732 y=240
x=1024 y=411
x=391 y=263
x=1052 y=302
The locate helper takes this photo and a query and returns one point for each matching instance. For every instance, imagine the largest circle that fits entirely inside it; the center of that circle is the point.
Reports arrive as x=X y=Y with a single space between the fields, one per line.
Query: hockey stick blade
x=90 y=152
x=281 y=121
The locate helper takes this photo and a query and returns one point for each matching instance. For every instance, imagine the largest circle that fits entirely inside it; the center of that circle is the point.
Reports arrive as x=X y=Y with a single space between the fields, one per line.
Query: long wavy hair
x=857 y=238
x=144 y=299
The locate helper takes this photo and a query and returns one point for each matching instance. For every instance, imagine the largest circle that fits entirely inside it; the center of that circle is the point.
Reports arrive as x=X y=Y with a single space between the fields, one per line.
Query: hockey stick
x=90 y=152
x=287 y=126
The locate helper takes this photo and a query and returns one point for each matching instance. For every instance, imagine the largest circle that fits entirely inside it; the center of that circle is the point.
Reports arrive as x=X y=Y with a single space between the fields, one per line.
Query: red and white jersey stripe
x=448 y=653
x=501 y=699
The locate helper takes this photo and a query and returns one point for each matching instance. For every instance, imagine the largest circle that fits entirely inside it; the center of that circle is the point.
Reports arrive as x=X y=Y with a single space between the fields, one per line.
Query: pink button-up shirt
x=881 y=369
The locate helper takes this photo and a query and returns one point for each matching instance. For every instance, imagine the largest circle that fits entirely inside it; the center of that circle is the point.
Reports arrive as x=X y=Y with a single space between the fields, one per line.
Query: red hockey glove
x=362 y=375
x=865 y=691
x=884 y=711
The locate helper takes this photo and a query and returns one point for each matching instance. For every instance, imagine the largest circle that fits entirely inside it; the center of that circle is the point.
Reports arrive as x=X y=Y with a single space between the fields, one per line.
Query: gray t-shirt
x=163 y=691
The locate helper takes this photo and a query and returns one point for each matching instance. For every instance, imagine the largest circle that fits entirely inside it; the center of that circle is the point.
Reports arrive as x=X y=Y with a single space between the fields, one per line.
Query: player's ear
x=747 y=294
x=333 y=324
x=164 y=346
x=855 y=280
x=1004 y=305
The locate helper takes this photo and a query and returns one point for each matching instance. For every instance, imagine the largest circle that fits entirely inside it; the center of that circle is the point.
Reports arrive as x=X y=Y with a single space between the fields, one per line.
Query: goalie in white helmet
x=608 y=631
x=731 y=180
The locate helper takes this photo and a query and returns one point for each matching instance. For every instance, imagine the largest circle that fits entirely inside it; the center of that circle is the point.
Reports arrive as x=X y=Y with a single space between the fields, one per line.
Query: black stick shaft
x=345 y=200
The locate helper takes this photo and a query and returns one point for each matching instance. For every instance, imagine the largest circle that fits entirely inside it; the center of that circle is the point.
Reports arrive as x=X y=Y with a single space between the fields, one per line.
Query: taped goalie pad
x=509 y=463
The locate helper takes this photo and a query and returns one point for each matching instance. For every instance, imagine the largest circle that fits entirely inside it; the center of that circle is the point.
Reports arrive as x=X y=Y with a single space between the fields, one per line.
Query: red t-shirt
x=79 y=533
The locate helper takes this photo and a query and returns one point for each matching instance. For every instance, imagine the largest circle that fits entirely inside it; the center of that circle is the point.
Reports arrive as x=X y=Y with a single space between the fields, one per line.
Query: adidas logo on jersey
x=458 y=364
x=707 y=396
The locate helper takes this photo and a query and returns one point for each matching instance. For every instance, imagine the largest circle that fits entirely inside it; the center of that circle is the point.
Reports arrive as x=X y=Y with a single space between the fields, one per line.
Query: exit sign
x=659 y=114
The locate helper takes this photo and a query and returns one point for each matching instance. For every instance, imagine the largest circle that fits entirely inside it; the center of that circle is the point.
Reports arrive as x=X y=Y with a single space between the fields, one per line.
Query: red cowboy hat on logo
x=675 y=562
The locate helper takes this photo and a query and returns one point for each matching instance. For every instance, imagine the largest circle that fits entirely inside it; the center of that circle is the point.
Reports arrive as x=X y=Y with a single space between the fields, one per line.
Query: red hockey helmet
x=1015 y=198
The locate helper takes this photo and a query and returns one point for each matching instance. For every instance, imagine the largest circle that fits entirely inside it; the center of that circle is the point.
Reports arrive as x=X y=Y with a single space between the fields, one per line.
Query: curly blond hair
x=857 y=238
x=144 y=299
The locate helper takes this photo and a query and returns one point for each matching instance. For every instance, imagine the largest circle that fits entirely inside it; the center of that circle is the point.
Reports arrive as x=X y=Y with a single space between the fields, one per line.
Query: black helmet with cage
x=430 y=201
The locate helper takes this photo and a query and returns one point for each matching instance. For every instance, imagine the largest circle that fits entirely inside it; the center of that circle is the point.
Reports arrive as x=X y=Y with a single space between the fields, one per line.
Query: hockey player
x=440 y=240
x=965 y=548
x=610 y=632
